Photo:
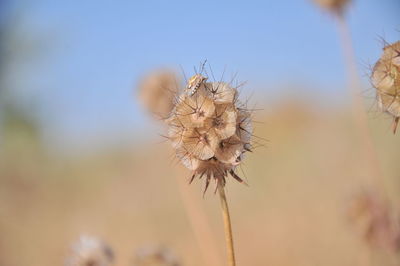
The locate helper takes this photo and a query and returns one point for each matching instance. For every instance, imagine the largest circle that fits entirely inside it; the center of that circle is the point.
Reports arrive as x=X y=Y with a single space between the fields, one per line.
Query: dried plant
x=210 y=131
x=378 y=222
x=90 y=251
x=385 y=78
x=155 y=256
x=368 y=153
x=157 y=91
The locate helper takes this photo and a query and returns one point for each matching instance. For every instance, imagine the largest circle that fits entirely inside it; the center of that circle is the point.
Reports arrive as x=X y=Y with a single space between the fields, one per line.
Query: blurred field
x=293 y=212
x=67 y=70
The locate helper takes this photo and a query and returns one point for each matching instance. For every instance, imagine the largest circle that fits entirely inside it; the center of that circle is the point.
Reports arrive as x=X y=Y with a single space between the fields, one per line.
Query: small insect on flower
x=90 y=251
x=194 y=84
x=386 y=80
x=210 y=130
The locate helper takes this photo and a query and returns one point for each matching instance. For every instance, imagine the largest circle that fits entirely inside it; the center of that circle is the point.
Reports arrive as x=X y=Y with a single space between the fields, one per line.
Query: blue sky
x=95 y=52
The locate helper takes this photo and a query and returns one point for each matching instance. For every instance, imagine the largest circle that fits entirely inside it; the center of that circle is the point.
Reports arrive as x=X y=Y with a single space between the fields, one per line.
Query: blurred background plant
x=72 y=152
x=90 y=251
x=155 y=256
x=378 y=223
x=386 y=80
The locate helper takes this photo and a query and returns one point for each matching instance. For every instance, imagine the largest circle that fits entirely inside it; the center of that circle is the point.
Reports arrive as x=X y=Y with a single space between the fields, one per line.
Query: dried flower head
x=386 y=80
x=158 y=91
x=90 y=251
x=335 y=6
x=155 y=256
x=379 y=224
x=210 y=129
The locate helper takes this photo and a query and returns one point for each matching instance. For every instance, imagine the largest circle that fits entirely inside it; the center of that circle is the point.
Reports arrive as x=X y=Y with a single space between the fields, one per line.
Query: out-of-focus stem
x=227 y=226
x=358 y=109
x=200 y=225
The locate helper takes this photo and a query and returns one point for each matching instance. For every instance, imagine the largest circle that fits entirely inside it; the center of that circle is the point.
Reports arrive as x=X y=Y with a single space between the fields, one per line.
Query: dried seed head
x=386 y=80
x=379 y=224
x=335 y=6
x=210 y=130
x=90 y=251
x=158 y=91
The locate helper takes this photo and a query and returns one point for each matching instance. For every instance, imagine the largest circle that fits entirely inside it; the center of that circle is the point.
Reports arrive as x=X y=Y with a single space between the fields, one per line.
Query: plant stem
x=227 y=225
x=359 y=114
x=200 y=224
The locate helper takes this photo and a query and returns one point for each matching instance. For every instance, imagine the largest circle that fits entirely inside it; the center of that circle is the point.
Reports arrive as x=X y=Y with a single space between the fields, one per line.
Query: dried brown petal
x=176 y=130
x=244 y=126
x=382 y=76
x=187 y=158
x=391 y=52
x=229 y=150
x=396 y=61
x=223 y=121
x=200 y=143
x=222 y=92
x=193 y=110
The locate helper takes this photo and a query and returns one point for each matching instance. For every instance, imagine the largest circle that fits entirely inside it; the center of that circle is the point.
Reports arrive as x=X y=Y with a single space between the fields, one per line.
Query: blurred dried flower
x=386 y=80
x=90 y=251
x=335 y=6
x=379 y=224
x=155 y=256
x=157 y=92
x=210 y=129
